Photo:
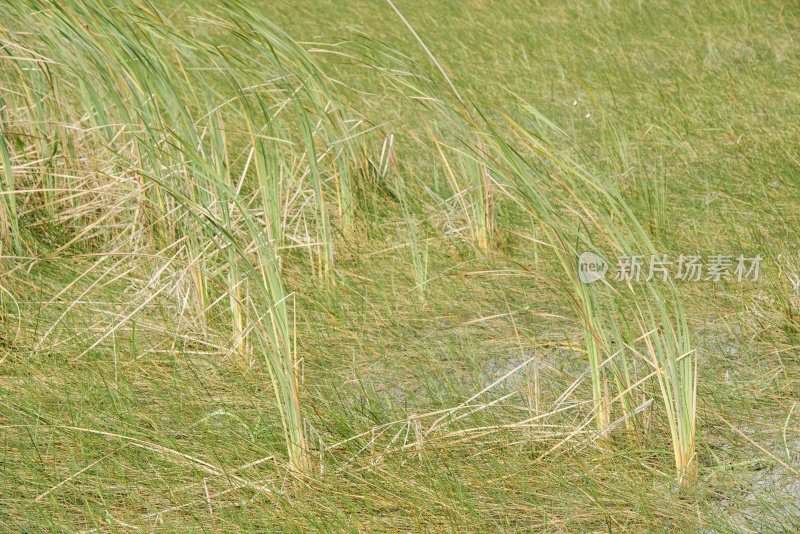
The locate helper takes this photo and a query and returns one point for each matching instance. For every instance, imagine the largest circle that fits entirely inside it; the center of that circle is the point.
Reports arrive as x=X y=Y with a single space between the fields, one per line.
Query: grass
x=313 y=267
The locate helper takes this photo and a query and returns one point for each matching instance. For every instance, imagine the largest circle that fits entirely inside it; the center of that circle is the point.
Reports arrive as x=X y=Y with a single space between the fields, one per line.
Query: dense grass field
x=318 y=266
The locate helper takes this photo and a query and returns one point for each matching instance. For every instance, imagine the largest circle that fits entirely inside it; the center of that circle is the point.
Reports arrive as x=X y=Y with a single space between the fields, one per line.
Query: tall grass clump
x=132 y=135
x=577 y=206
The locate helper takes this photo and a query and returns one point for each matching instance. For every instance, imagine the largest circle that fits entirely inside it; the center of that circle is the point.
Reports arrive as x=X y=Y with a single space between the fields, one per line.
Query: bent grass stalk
x=9 y=222
x=419 y=252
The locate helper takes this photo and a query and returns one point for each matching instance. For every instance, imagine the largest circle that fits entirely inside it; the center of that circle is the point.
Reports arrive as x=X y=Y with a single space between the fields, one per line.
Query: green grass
x=310 y=266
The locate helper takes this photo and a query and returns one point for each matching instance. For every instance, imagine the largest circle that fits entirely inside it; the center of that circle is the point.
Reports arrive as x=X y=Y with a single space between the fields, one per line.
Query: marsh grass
x=172 y=145
x=577 y=205
x=251 y=283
